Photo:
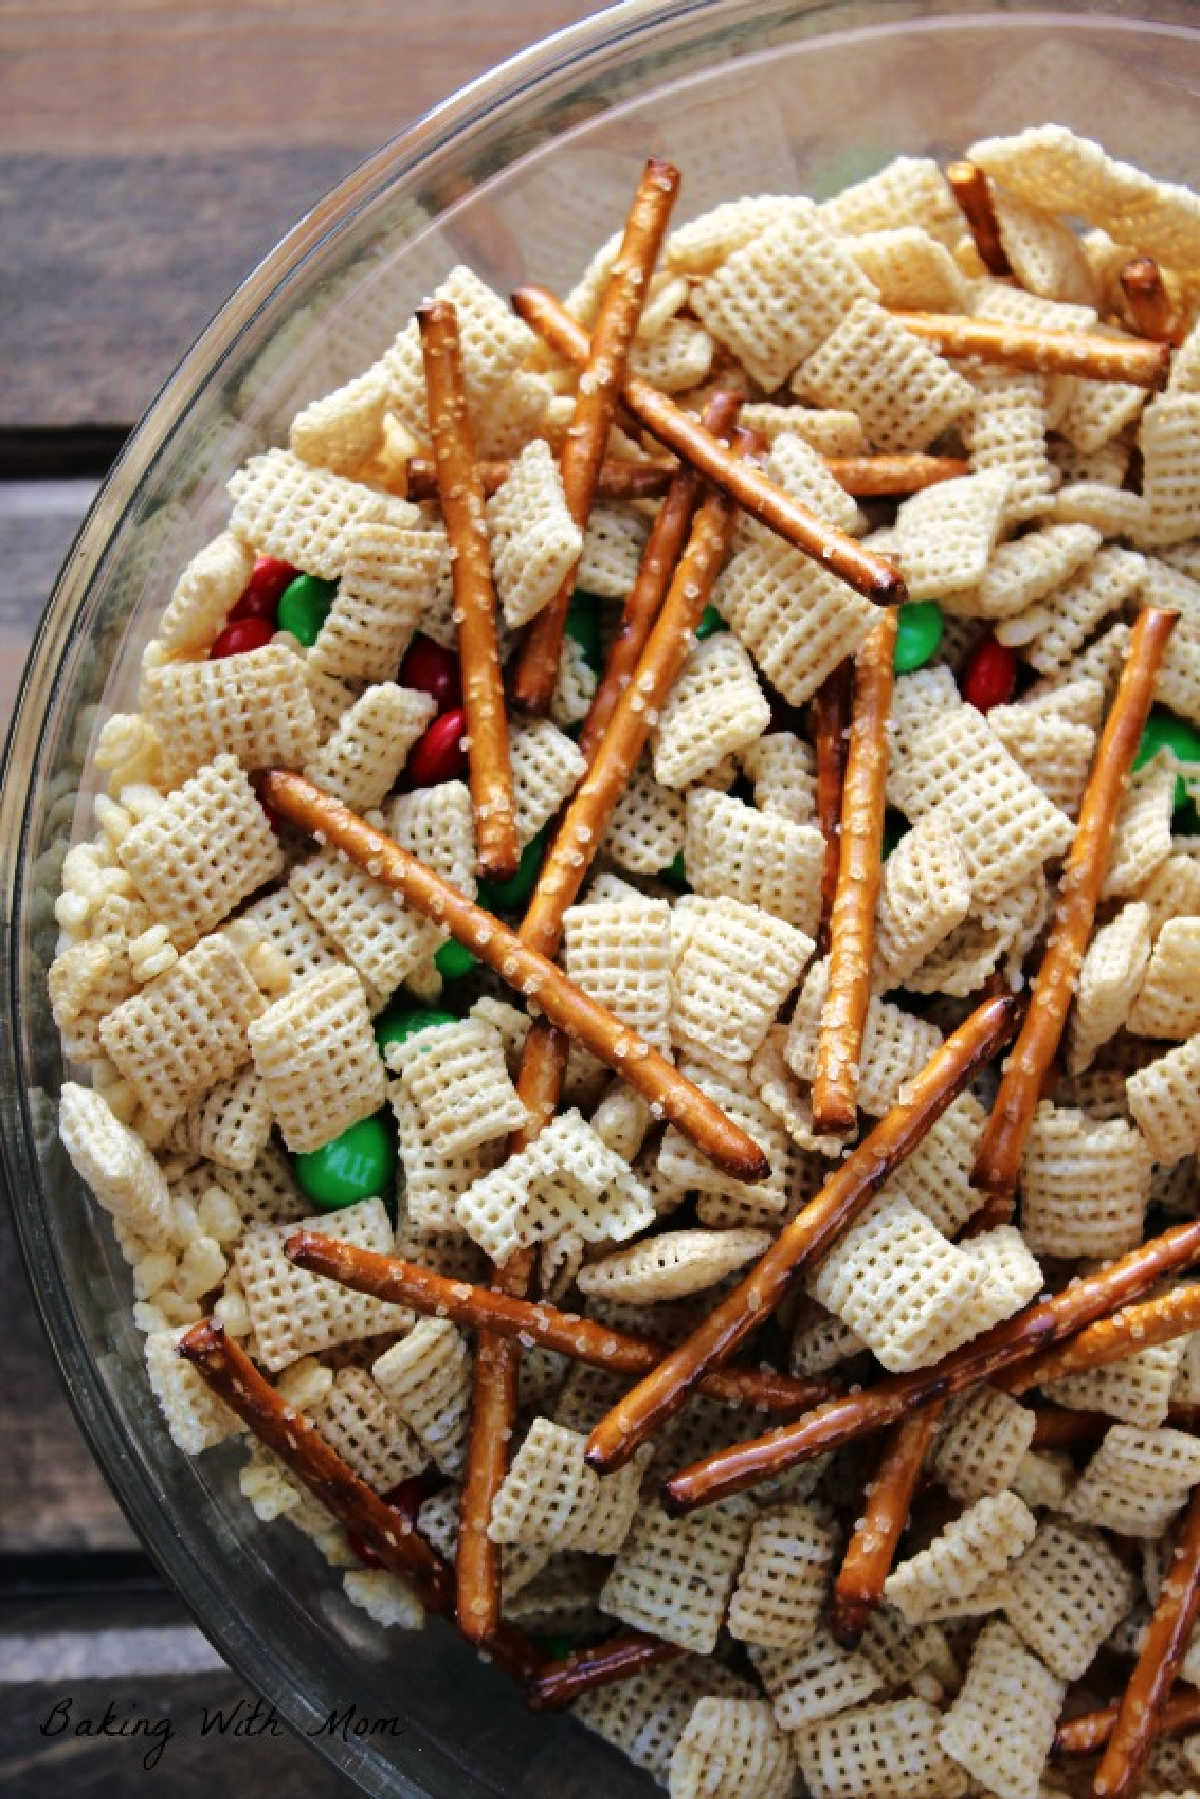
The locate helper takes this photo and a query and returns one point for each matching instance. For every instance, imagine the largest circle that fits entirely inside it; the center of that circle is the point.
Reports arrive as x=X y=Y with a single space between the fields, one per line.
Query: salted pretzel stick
x=862 y=476
x=524 y=969
x=871 y=1551
x=659 y=1396
x=875 y=1408
x=1060 y=1427
x=478 y=1308
x=660 y=557
x=599 y=389
x=856 y=895
x=617 y=479
x=831 y=735
x=973 y=191
x=1044 y=352
x=867 y=476
x=1126 y=1333
x=1149 y=302
x=1086 y=1734
x=228 y=1370
x=461 y=493
x=601 y=1665
x=872 y=575
x=367 y=1518
x=1163 y=1648
x=1002 y=1144
x=586 y=816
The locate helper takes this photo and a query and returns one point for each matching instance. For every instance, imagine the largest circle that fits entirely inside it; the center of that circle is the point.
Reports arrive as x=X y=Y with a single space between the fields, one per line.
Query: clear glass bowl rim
x=583 y=46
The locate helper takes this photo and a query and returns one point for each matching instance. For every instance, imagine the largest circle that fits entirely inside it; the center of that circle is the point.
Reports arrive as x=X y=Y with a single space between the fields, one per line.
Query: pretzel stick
x=599 y=389
x=1163 y=1648
x=998 y=1158
x=587 y=814
x=523 y=968
x=1085 y=1734
x=655 y=1399
x=831 y=732
x=1060 y=1427
x=1149 y=302
x=856 y=1415
x=617 y=478
x=228 y=1370
x=872 y=575
x=1044 y=352
x=601 y=1665
x=865 y=476
x=973 y=191
x=478 y=1308
x=663 y=549
x=852 y=921
x=461 y=493
x=871 y=1551
x=1126 y=1333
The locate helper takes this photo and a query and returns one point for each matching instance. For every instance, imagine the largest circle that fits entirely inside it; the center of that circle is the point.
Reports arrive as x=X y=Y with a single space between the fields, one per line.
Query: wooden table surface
x=151 y=152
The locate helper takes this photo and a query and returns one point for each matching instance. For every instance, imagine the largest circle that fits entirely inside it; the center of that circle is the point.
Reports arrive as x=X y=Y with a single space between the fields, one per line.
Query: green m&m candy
x=918 y=635
x=357 y=1165
x=510 y=895
x=675 y=872
x=583 y=624
x=710 y=623
x=304 y=606
x=405 y=1021
x=453 y=961
x=1166 y=732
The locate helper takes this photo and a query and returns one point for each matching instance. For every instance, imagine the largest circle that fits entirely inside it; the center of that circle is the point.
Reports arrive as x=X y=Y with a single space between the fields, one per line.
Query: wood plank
x=152 y=153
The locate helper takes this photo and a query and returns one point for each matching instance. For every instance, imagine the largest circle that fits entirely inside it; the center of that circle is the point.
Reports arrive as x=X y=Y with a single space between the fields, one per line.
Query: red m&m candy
x=439 y=755
x=260 y=596
x=432 y=670
x=990 y=678
x=243 y=634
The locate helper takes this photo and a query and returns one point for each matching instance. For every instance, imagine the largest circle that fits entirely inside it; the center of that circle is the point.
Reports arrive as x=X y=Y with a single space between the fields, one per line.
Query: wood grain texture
x=152 y=153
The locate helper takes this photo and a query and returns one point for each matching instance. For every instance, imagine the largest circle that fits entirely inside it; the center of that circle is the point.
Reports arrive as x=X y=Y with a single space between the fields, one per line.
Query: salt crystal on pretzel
x=852 y=919
x=761 y=498
x=1004 y=1137
x=600 y=386
x=888 y=1750
x=846 y=1192
x=461 y=494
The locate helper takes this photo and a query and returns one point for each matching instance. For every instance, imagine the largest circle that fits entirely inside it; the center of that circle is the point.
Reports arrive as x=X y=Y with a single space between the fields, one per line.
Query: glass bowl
x=522 y=175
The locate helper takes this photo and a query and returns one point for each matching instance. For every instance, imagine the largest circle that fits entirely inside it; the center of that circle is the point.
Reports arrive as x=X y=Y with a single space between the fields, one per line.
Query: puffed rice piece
x=254 y=705
x=716 y=708
x=1085 y=1185
x=1002 y=1722
x=205 y=592
x=316 y=1053
x=85 y=981
x=964 y=1560
x=116 y=1164
x=732 y=1749
x=674 y=1576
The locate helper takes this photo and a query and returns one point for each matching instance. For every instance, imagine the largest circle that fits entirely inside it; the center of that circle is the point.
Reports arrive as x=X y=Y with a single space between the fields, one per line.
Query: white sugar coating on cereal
x=245 y=1006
